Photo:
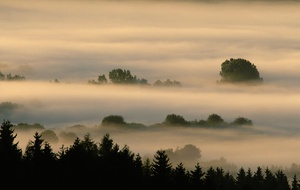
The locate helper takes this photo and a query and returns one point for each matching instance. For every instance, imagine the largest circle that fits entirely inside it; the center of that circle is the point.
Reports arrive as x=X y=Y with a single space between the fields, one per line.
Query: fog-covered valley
x=76 y=41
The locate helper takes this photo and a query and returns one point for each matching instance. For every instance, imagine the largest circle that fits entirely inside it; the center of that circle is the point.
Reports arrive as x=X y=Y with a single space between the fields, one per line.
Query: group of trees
x=87 y=164
x=232 y=71
x=10 y=77
x=123 y=76
x=213 y=120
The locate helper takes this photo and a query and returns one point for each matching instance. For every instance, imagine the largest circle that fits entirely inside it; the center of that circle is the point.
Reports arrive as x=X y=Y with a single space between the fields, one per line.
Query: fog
x=75 y=41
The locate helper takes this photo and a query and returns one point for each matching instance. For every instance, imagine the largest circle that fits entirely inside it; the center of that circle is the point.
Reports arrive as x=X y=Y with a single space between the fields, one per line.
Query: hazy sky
x=75 y=41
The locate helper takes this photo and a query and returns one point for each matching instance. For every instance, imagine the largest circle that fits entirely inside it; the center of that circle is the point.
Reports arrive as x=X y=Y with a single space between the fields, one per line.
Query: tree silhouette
x=242 y=121
x=167 y=83
x=10 y=155
x=86 y=164
x=161 y=169
x=282 y=181
x=196 y=177
x=215 y=119
x=239 y=70
x=113 y=120
x=173 y=119
x=241 y=180
x=258 y=179
x=123 y=76
x=270 y=180
x=39 y=158
x=102 y=79
x=34 y=150
x=2 y=76
x=180 y=177
x=295 y=183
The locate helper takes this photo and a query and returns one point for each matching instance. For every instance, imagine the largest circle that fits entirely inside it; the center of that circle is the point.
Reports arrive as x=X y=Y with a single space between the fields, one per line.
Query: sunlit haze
x=76 y=41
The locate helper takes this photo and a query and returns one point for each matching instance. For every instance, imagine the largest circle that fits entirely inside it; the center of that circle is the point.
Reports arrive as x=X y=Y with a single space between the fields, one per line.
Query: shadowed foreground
x=87 y=164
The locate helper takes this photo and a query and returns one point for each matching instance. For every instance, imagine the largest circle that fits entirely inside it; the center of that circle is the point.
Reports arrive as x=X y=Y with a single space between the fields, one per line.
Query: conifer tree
x=180 y=177
x=270 y=180
x=196 y=177
x=282 y=181
x=241 y=180
x=258 y=179
x=295 y=183
x=161 y=169
x=10 y=154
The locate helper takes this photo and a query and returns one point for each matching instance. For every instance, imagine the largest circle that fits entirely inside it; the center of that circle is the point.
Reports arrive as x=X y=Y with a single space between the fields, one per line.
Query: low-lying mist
x=272 y=140
x=75 y=41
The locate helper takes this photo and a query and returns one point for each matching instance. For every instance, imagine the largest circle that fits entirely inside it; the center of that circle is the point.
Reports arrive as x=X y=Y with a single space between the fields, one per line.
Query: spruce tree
x=10 y=155
x=161 y=169
x=295 y=183
x=196 y=177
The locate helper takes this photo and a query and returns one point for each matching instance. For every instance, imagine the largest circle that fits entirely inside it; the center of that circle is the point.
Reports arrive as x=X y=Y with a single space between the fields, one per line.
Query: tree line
x=105 y=165
x=124 y=76
x=10 y=77
x=234 y=70
x=213 y=120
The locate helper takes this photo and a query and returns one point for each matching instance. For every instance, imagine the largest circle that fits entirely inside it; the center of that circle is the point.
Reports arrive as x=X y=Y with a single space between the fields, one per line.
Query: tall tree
x=258 y=179
x=34 y=151
x=161 y=169
x=241 y=180
x=282 y=181
x=180 y=177
x=270 y=180
x=295 y=183
x=196 y=176
x=10 y=154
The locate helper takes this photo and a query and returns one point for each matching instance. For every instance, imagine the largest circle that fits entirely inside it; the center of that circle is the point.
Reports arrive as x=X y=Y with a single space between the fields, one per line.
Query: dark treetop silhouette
x=87 y=164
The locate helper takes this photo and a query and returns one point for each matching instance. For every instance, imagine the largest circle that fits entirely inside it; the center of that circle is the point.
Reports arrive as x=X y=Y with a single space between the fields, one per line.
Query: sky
x=76 y=41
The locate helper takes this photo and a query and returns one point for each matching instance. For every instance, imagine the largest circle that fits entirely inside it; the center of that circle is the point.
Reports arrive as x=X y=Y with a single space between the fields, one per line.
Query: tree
x=167 y=83
x=2 y=76
x=9 y=151
x=102 y=79
x=120 y=76
x=123 y=76
x=214 y=119
x=270 y=180
x=241 y=181
x=196 y=177
x=173 y=119
x=242 y=121
x=295 y=183
x=50 y=136
x=34 y=151
x=188 y=155
x=161 y=169
x=9 y=77
x=10 y=154
x=39 y=157
x=282 y=181
x=239 y=70
x=258 y=179
x=180 y=177
x=113 y=120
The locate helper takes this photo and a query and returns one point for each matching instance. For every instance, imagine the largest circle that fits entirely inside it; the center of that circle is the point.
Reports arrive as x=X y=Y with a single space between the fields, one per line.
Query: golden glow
x=75 y=41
